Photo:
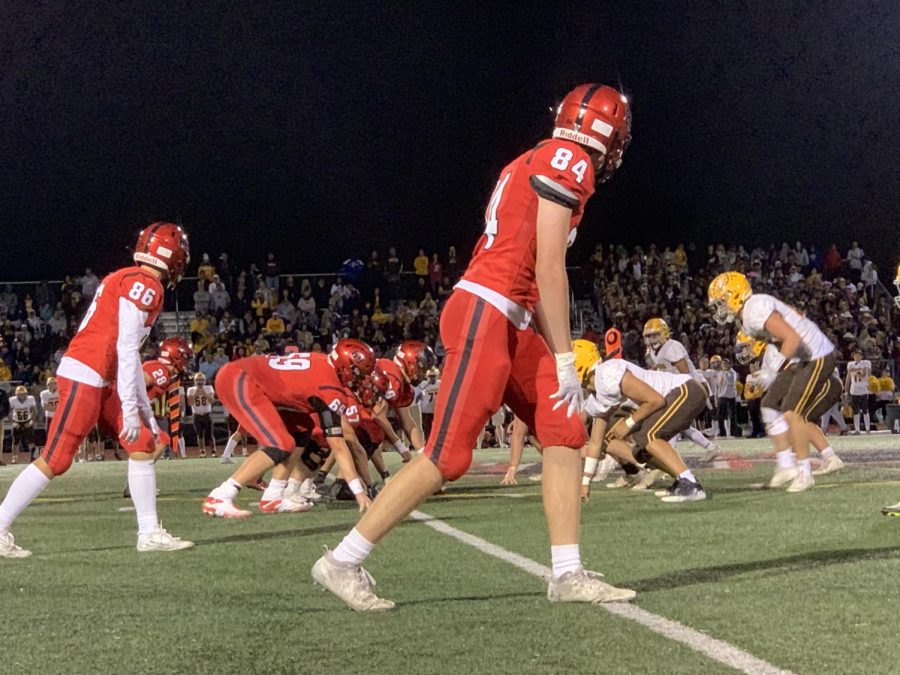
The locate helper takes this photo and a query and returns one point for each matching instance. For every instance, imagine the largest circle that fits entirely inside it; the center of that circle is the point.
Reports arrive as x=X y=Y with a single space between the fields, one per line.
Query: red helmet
x=415 y=358
x=165 y=247
x=352 y=360
x=599 y=117
x=175 y=352
x=375 y=386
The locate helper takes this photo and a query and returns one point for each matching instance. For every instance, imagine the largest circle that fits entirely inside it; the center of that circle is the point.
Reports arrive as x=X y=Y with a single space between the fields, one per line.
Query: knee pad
x=277 y=455
x=313 y=456
x=774 y=421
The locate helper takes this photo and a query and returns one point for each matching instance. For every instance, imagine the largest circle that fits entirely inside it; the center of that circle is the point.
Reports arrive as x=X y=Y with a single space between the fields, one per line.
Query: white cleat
x=309 y=492
x=8 y=548
x=648 y=478
x=625 y=480
x=604 y=469
x=711 y=453
x=831 y=465
x=801 y=483
x=350 y=583
x=585 y=586
x=226 y=460
x=222 y=508
x=284 y=506
x=160 y=540
x=783 y=476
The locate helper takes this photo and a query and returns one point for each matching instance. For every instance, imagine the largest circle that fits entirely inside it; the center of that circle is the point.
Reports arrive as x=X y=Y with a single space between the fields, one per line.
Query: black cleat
x=685 y=491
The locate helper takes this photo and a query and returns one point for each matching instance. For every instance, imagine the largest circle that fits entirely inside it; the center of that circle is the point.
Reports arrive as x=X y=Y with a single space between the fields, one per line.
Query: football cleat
x=832 y=464
x=648 y=478
x=585 y=586
x=685 y=491
x=284 y=506
x=160 y=540
x=801 y=483
x=604 y=469
x=625 y=480
x=886 y=511
x=667 y=491
x=222 y=508
x=8 y=548
x=783 y=476
x=309 y=492
x=711 y=454
x=226 y=460
x=351 y=583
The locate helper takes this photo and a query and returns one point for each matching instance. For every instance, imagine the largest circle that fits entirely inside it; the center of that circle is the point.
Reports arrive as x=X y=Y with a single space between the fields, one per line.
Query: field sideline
x=805 y=582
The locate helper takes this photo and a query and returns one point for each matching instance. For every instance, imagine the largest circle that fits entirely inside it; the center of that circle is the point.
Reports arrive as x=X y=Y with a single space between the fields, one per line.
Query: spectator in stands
x=855 y=262
x=240 y=304
x=89 y=284
x=220 y=357
x=223 y=269
x=832 y=263
x=420 y=264
x=5 y=372
x=274 y=326
x=206 y=271
x=869 y=280
x=9 y=301
x=285 y=308
x=219 y=300
x=261 y=345
x=393 y=270
x=259 y=304
x=305 y=338
x=452 y=265
x=435 y=273
x=201 y=331
x=289 y=286
x=201 y=297
x=321 y=293
x=208 y=366
x=272 y=270
x=306 y=306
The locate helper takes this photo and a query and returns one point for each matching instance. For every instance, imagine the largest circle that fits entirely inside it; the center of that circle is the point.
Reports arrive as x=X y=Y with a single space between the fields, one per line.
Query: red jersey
x=504 y=258
x=401 y=393
x=300 y=381
x=160 y=378
x=95 y=343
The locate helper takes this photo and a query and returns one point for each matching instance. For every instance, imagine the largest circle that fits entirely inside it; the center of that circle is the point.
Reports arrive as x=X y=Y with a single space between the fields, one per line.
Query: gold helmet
x=21 y=390
x=434 y=372
x=199 y=378
x=586 y=356
x=51 y=380
x=747 y=349
x=727 y=294
x=715 y=361
x=656 y=332
x=897 y=286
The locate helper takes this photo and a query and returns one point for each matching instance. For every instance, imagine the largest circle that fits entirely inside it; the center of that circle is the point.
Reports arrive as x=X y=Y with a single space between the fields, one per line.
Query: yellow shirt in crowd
x=420 y=264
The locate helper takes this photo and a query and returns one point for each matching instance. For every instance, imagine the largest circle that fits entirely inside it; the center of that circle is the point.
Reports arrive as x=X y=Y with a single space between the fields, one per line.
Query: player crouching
x=315 y=384
x=667 y=403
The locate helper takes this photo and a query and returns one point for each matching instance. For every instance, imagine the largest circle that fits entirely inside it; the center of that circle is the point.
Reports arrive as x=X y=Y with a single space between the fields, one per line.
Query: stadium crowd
x=383 y=300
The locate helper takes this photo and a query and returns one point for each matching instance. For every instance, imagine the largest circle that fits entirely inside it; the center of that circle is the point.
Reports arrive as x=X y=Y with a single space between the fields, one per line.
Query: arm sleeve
x=130 y=376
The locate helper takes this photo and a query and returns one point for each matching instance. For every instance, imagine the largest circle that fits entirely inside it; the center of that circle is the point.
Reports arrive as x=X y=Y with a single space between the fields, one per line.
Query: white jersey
x=49 y=402
x=728 y=384
x=608 y=384
x=22 y=413
x=201 y=399
x=759 y=307
x=859 y=372
x=427 y=394
x=711 y=380
x=670 y=353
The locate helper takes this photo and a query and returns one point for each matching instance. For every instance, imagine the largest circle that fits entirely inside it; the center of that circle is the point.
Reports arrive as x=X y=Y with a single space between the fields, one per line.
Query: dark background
x=321 y=130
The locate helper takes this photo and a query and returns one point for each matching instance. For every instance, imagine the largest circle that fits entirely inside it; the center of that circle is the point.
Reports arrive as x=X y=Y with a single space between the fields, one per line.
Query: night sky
x=321 y=130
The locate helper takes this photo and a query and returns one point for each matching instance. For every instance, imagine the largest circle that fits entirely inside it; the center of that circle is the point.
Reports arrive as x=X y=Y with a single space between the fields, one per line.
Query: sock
x=786 y=459
x=142 y=485
x=27 y=485
x=805 y=466
x=697 y=438
x=868 y=421
x=354 y=548
x=566 y=558
x=728 y=428
x=274 y=491
x=230 y=446
x=856 y=422
x=227 y=490
x=688 y=475
x=828 y=453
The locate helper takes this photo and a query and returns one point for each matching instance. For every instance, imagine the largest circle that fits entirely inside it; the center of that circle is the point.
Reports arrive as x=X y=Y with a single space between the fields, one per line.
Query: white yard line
x=717 y=650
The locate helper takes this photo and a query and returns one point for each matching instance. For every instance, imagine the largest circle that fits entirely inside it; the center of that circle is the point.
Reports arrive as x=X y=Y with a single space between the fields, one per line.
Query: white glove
x=569 y=392
x=131 y=426
x=181 y=449
x=150 y=421
x=765 y=377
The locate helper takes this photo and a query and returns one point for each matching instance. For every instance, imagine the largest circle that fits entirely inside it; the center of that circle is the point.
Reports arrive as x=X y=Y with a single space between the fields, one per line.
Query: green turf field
x=808 y=583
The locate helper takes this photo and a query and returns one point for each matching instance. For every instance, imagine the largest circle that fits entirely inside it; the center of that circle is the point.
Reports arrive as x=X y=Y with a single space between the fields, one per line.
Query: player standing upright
x=105 y=349
x=857 y=385
x=22 y=413
x=517 y=271
x=665 y=353
x=426 y=393
x=200 y=397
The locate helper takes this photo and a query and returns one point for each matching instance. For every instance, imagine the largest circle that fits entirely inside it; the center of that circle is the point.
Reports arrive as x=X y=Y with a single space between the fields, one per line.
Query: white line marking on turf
x=717 y=650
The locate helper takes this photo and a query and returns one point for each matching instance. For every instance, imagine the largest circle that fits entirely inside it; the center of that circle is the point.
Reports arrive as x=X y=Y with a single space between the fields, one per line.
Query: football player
x=804 y=376
x=405 y=372
x=106 y=348
x=50 y=401
x=748 y=350
x=251 y=389
x=200 y=397
x=665 y=353
x=162 y=379
x=425 y=396
x=22 y=413
x=857 y=385
x=666 y=404
x=517 y=271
